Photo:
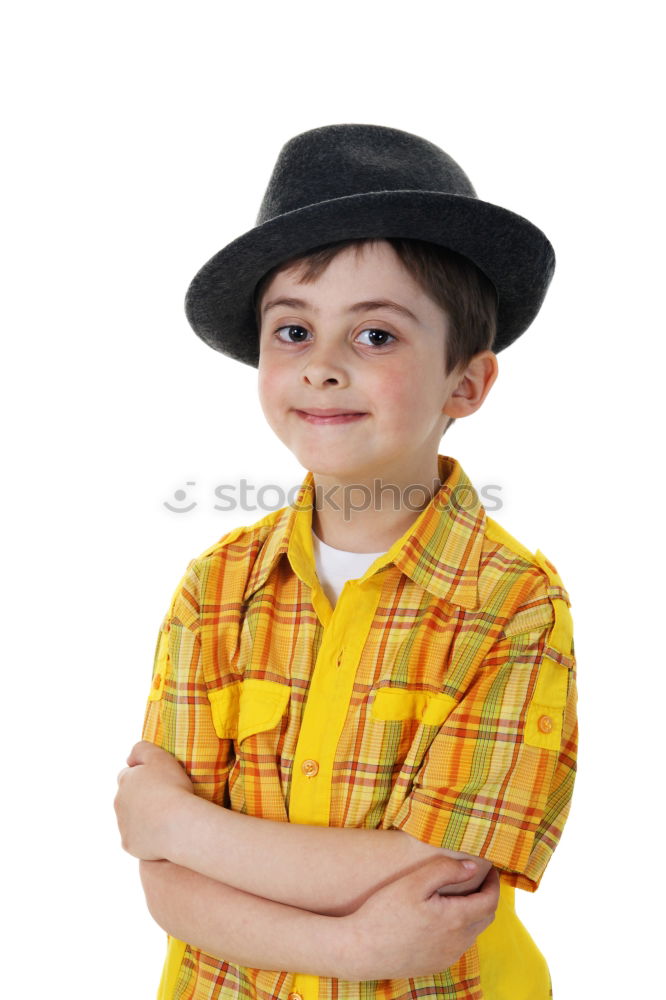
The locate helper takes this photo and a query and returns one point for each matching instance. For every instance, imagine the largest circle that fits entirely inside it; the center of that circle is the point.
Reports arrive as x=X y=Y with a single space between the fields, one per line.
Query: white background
x=139 y=138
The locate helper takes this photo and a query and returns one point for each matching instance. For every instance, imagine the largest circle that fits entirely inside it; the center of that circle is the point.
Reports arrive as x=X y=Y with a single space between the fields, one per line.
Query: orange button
x=545 y=724
x=310 y=768
x=157 y=681
x=295 y=996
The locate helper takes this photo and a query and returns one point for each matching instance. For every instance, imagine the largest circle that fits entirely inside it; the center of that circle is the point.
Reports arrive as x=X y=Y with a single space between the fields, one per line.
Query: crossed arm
x=350 y=903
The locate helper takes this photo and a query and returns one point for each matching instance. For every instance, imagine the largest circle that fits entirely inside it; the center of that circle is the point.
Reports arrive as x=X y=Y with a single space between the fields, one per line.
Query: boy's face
x=333 y=350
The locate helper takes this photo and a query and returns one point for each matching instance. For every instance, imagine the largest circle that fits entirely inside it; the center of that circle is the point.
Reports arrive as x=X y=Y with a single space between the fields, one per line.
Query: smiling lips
x=330 y=416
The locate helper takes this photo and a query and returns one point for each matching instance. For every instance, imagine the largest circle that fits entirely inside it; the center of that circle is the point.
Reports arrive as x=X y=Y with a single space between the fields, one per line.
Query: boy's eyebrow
x=357 y=307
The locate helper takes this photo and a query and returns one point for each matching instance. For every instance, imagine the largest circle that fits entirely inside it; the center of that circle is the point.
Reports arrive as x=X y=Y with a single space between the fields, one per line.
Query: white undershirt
x=336 y=566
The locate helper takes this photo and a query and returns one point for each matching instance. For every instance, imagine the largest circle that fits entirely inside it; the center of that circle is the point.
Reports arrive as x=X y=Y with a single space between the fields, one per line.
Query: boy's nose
x=325 y=365
x=318 y=375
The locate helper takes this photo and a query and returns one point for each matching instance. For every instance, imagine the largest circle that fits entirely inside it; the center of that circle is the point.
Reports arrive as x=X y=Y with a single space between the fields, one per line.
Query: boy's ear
x=473 y=385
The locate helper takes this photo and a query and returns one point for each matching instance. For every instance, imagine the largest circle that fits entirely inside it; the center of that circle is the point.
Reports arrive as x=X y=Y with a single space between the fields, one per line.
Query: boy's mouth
x=329 y=416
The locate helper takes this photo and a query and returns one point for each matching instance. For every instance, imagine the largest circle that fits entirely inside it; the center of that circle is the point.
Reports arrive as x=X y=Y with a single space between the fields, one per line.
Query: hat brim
x=512 y=252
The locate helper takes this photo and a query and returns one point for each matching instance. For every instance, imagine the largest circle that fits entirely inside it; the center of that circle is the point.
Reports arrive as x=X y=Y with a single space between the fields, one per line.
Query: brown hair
x=465 y=294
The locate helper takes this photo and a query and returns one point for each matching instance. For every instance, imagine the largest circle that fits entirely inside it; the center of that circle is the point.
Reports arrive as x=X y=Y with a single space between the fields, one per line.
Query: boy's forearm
x=247 y=930
x=328 y=870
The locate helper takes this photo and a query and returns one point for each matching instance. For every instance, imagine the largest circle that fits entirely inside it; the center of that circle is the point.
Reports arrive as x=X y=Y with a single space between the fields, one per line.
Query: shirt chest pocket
x=393 y=704
x=248 y=707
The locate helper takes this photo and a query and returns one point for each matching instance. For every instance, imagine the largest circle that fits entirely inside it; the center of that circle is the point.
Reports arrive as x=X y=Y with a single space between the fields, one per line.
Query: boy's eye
x=287 y=339
x=378 y=333
x=294 y=334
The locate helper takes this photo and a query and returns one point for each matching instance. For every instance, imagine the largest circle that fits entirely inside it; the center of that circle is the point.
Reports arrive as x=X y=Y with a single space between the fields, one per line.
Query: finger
x=120 y=773
x=144 y=750
x=479 y=905
x=135 y=754
x=490 y=887
x=491 y=883
x=139 y=752
x=480 y=925
x=439 y=871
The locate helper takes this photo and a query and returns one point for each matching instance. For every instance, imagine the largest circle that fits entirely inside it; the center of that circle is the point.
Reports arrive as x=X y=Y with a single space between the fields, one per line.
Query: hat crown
x=339 y=161
x=353 y=182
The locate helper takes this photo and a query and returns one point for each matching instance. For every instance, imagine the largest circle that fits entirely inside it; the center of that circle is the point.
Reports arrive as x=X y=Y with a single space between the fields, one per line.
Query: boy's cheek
x=270 y=387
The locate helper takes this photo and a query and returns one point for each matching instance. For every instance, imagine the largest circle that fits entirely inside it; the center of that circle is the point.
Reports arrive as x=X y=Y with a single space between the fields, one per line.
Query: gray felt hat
x=348 y=181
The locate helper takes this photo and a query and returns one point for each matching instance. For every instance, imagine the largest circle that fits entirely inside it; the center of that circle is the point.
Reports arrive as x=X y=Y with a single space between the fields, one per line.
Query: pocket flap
x=159 y=671
x=224 y=709
x=262 y=705
x=393 y=704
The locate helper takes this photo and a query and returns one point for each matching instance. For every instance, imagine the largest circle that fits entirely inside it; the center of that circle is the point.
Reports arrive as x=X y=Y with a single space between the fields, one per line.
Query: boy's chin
x=331 y=463
x=338 y=472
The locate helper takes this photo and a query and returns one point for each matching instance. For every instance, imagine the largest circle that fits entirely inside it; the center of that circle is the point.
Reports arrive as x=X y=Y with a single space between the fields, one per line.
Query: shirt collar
x=440 y=550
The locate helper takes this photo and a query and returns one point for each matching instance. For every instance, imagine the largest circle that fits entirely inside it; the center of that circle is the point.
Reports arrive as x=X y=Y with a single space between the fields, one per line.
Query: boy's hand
x=148 y=792
x=407 y=929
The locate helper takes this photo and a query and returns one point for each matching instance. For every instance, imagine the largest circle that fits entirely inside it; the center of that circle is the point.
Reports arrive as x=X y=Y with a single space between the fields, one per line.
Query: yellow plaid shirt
x=438 y=697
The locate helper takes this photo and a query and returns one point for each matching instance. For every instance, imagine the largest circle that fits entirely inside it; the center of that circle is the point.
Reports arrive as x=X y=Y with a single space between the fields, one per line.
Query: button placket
x=327 y=704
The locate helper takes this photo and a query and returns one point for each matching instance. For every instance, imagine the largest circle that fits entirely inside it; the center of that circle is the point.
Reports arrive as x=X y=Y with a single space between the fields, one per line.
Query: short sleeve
x=497 y=780
x=178 y=714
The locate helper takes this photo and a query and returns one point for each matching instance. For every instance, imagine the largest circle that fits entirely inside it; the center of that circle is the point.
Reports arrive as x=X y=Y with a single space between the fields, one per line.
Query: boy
x=381 y=657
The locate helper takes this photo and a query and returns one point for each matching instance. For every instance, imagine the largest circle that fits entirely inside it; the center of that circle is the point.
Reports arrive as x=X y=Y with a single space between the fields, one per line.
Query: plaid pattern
x=439 y=699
